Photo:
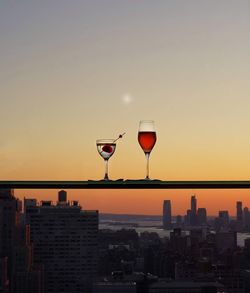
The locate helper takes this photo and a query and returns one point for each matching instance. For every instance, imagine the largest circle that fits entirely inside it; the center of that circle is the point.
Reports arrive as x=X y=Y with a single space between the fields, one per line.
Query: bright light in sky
x=127 y=98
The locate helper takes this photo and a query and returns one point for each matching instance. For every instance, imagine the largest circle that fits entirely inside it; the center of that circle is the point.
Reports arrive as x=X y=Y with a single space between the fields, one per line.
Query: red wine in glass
x=147 y=140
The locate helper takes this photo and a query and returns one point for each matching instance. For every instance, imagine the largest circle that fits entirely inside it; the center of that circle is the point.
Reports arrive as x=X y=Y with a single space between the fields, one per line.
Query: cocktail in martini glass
x=106 y=148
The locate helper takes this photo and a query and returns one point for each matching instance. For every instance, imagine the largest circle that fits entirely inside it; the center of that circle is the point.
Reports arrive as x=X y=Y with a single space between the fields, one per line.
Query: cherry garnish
x=107 y=149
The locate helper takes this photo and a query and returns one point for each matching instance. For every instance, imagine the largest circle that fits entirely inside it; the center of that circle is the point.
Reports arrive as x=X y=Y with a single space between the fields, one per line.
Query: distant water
x=146 y=223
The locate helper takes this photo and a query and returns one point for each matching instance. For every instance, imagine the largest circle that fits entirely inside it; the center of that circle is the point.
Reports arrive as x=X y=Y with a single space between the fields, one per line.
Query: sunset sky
x=75 y=71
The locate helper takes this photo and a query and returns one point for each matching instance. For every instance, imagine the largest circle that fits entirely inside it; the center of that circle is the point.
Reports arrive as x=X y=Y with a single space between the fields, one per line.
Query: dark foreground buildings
x=65 y=240
x=59 y=248
x=53 y=248
x=18 y=274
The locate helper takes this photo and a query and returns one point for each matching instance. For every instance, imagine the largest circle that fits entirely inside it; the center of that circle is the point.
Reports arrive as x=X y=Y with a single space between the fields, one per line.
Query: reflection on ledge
x=125 y=184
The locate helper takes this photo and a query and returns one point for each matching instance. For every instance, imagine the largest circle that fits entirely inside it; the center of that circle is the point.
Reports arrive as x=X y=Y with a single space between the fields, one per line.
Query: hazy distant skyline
x=75 y=71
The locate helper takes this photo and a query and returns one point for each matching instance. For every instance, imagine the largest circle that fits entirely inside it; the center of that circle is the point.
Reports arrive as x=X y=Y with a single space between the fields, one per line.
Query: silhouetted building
x=224 y=218
x=246 y=219
x=15 y=247
x=178 y=221
x=193 y=215
x=4 y=281
x=10 y=210
x=193 y=204
x=202 y=216
x=185 y=271
x=226 y=241
x=178 y=241
x=29 y=202
x=239 y=217
x=187 y=219
x=167 y=216
x=247 y=243
x=239 y=211
x=65 y=240
x=28 y=282
x=62 y=196
x=246 y=280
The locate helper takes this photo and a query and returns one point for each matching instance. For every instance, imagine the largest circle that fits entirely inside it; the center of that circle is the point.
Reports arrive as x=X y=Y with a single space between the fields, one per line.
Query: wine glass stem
x=147 y=165
x=106 y=177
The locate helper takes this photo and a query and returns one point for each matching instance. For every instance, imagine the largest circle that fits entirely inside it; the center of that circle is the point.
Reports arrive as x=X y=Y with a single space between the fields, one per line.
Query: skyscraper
x=193 y=216
x=239 y=212
x=9 y=219
x=187 y=218
x=201 y=216
x=15 y=249
x=178 y=221
x=167 y=216
x=193 y=204
x=8 y=211
x=224 y=219
x=65 y=241
x=246 y=218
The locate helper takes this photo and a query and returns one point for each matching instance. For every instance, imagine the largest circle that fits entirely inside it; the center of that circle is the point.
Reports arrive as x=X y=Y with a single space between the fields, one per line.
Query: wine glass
x=106 y=148
x=147 y=140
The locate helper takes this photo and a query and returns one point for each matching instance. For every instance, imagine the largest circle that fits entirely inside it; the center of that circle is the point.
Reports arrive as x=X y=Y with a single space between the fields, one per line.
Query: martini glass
x=147 y=140
x=106 y=148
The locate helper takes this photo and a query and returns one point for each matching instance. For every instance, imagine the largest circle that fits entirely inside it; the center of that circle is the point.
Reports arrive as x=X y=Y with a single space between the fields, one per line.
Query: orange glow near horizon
x=147 y=202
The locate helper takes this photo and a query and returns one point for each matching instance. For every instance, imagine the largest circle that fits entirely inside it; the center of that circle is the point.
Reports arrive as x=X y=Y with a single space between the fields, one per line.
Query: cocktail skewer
x=120 y=136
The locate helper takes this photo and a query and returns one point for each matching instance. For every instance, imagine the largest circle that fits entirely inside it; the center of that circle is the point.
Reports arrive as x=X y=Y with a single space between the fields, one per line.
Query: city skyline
x=198 y=203
x=75 y=72
x=60 y=247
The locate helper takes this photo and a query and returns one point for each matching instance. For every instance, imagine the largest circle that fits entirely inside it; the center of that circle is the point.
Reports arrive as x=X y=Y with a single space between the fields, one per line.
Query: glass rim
x=147 y=121
x=106 y=140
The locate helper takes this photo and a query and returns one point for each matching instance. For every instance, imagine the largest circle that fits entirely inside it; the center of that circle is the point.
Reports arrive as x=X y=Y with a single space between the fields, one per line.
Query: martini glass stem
x=147 y=165
x=106 y=177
